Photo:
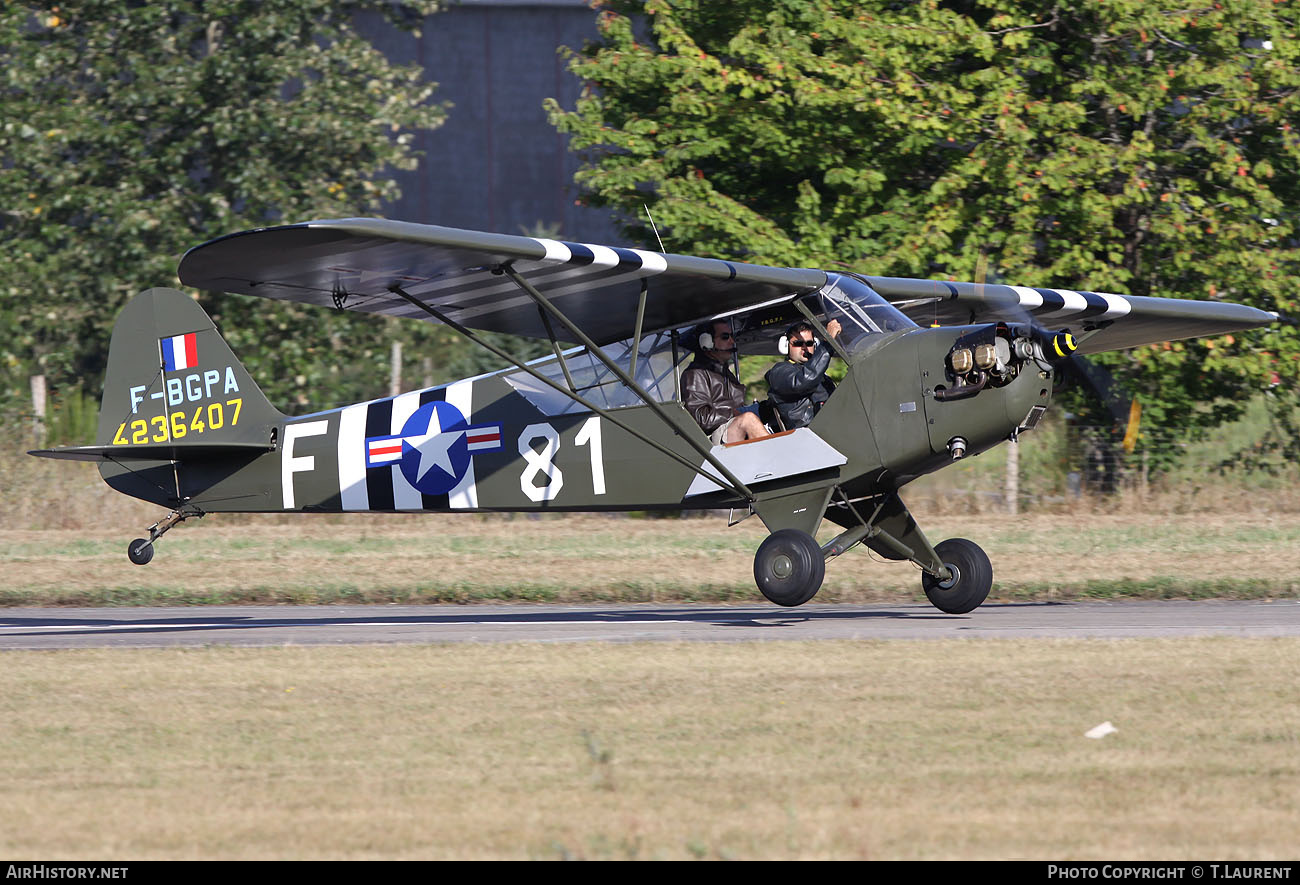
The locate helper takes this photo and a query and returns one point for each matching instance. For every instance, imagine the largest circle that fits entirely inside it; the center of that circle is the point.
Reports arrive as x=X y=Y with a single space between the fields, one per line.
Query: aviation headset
x=705 y=339
x=783 y=344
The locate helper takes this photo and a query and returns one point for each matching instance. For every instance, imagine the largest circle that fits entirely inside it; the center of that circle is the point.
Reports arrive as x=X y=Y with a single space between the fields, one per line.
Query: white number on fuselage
x=543 y=461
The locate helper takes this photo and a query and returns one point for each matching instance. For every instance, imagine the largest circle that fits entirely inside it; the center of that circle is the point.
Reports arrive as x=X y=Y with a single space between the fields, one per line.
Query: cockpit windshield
x=860 y=310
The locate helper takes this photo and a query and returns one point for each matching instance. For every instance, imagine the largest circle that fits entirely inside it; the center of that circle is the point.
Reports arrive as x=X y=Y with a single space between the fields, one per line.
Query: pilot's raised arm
x=713 y=394
x=799 y=386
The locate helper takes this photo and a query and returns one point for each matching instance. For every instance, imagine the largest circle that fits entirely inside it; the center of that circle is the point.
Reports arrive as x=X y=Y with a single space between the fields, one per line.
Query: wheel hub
x=952 y=581
x=782 y=566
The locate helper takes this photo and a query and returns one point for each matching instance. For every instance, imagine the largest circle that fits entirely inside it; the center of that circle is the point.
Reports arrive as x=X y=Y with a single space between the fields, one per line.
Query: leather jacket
x=798 y=390
x=711 y=393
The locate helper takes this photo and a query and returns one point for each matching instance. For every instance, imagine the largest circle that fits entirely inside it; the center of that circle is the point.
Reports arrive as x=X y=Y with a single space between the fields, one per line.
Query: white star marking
x=433 y=446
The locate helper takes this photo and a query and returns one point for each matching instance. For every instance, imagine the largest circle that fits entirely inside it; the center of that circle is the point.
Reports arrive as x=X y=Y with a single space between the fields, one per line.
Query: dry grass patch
x=589 y=558
x=747 y=750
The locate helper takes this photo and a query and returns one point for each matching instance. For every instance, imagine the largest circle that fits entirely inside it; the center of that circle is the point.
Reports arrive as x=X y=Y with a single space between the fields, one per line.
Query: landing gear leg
x=140 y=551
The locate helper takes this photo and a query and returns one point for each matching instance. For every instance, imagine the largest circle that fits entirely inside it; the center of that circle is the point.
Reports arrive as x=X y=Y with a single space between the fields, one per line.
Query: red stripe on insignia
x=488 y=437
x=191 y=350
x=385 y=450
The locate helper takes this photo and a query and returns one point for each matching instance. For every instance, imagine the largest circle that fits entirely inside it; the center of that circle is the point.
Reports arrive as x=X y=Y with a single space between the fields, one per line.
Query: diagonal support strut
x=740 y=491
x=599 y=354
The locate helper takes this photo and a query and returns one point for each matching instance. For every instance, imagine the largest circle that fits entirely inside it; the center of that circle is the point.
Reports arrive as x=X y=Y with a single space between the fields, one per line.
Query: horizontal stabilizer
x=770 y=457
x=163 y=452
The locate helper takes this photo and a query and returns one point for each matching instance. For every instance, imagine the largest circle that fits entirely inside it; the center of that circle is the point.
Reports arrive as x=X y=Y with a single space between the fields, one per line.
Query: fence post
x=38 y=409
x=395 y=379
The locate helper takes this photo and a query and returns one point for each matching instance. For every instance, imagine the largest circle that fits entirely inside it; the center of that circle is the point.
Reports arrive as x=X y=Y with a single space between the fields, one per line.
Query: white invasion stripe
x=405 y=495
x=1074 y=303
x=555 y=251
x=1029 y=299
x=651 y=262
x=1116 y=305
x=603 y=256
x=352 y=458
x=465 y=495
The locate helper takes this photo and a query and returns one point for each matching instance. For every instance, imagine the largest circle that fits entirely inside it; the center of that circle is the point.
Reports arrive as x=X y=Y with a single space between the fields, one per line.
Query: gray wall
x=496 y=164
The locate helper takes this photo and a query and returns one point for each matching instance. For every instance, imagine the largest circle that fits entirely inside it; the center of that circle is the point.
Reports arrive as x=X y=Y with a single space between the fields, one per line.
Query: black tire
x=789 y=567
x=972 y=577
x=140 y=555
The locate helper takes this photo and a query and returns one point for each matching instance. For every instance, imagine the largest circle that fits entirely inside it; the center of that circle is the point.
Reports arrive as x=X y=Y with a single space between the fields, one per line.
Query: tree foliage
x=1127 y=146
x=131 y=130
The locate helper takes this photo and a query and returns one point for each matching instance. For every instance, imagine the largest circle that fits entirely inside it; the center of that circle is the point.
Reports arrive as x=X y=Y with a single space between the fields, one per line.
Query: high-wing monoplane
x=600 y=425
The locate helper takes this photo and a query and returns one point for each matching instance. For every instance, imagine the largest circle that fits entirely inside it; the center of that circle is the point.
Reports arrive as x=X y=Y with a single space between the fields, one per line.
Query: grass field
x=465 y=558
x=953 y=749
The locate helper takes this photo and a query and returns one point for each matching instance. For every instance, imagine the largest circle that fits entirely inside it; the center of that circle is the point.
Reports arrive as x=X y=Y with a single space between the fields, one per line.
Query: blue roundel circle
x=435 y=454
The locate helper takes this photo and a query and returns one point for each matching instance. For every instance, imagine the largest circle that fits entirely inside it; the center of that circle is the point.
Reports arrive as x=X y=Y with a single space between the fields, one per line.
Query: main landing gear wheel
x=972 y=577
x=140 y=551
x=789 y=567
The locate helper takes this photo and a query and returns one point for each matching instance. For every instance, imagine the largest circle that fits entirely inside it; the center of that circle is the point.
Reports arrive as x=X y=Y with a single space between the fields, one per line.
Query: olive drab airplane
x=600 y=425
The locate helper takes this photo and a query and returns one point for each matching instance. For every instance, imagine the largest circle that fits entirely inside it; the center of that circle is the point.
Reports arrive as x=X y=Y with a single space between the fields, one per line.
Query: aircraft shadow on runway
x=722 y=617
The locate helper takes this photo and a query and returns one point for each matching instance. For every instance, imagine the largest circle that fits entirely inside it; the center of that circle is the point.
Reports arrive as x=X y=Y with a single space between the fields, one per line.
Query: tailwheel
x=789 y=567
x=140 y=551
x=970 y=582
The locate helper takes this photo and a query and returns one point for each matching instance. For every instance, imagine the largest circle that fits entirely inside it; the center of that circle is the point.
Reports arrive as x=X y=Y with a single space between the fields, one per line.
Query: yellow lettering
x=161 y=423
x=120 y=440
x=216 y=418
x=238 y=403
x=197 y=424
x=178 y=425
x=139 y=432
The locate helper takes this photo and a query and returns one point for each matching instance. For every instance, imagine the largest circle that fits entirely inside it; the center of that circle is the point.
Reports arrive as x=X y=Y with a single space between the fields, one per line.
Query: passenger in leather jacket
x=799 y=386
x=713 y=394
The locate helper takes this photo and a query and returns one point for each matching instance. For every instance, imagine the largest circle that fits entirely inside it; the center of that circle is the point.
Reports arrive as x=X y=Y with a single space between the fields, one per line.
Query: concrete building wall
x=496 y=164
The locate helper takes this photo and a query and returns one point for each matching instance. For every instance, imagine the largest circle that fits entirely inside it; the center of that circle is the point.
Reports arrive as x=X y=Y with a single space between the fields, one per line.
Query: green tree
x=131 y=130
x=1128 y=146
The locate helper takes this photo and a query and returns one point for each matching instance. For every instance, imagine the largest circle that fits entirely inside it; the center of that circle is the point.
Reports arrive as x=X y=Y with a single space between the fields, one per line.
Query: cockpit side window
x=594 y=382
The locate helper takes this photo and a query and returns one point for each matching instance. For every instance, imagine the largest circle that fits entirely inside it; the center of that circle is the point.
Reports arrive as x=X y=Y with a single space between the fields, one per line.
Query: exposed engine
x=992 y=356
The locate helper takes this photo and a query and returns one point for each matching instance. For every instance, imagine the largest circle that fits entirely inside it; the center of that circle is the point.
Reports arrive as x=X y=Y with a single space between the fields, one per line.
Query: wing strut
x=732 y=484
x=594 y=350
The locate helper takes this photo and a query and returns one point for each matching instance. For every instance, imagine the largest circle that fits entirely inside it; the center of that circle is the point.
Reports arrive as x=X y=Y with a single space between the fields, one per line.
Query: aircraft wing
x=1103 y=321
x=351 y=264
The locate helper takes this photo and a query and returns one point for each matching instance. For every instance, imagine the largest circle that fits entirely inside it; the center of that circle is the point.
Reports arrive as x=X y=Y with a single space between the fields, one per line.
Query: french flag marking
x=180 y=352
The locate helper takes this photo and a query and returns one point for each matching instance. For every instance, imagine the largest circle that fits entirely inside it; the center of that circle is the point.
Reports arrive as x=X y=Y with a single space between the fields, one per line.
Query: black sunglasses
x=812 y=343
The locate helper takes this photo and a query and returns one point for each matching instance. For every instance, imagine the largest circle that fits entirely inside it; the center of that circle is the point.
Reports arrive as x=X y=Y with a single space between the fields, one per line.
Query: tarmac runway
x=64 y=628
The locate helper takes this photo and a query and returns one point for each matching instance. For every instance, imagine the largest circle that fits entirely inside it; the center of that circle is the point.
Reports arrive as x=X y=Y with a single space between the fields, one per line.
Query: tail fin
x=173 y=380
x=174 y=389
